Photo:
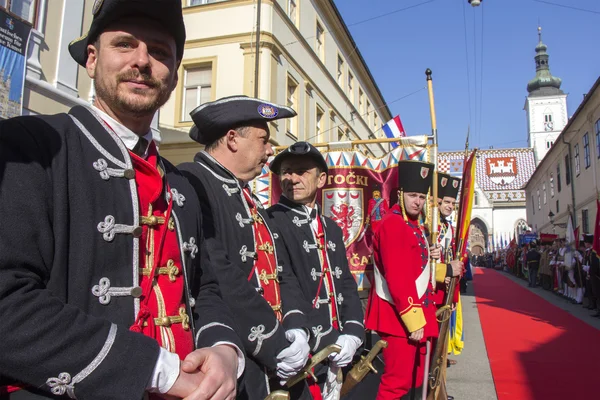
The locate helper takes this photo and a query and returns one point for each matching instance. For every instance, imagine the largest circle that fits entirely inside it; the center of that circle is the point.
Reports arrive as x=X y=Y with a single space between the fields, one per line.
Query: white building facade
x=546 y=105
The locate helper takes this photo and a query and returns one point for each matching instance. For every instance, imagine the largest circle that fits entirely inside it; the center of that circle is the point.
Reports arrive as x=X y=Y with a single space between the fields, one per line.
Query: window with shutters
x=24 y=9
x=319 y=125
x=292 y=101
x=577 y=160
x=320 y=42
x=586 y=150
x=197 y=84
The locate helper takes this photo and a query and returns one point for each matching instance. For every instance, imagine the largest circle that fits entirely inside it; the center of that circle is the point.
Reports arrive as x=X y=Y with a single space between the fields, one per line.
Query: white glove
x=333 y=384
x=294 y=357
x=586 y=268
x=349 y=346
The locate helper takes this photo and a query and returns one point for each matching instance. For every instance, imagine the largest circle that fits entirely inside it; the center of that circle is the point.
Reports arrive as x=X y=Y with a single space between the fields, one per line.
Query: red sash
x=265 y=262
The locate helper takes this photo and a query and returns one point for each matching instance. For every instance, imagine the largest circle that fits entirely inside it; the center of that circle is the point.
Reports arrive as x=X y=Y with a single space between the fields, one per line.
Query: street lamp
x=551 y=218
x=475 y=3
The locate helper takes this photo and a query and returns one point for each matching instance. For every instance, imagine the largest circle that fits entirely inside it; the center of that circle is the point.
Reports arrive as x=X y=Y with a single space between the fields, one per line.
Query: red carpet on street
x=536 y=350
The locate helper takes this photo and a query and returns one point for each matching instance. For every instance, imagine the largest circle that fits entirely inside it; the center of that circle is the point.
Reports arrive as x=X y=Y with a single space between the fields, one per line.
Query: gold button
x=164 y=321
x=129 y=173
x=153 y=220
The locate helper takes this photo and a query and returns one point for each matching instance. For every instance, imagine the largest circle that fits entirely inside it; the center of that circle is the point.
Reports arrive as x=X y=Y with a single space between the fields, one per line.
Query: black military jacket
x=227 y=224
x=69 y=261
x=293 y=222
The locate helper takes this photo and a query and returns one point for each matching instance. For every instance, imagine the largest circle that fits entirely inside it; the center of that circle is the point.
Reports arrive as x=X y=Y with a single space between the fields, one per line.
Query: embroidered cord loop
x=308 y=247
x=229 y=190
x=243 y=221
x=109 y=229
x=106 y=173
x=104 y=292
x=257 y=335
x=337 y=272
x=191 y=246
x=178 y=198
x=244 y=253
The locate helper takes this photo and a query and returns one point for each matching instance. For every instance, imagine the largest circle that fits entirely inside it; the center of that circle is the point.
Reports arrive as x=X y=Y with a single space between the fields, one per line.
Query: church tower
x=546 y=105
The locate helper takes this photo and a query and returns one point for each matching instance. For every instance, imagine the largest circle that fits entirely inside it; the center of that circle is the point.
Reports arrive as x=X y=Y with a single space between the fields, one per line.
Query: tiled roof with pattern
x=451 y=162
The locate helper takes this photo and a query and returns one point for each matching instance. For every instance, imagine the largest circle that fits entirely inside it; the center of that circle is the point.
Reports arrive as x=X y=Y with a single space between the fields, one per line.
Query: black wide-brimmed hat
x=166 y=13
x=299 y=150
x=447 y=186
x=415 y=176
x=212 y=120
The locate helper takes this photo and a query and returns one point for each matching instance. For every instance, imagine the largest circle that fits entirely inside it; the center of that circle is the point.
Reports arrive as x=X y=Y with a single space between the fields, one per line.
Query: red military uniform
x=409 y=307
x=377 y=209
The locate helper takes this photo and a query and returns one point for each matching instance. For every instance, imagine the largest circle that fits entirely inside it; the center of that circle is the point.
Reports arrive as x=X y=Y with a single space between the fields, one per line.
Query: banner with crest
x=359 y=190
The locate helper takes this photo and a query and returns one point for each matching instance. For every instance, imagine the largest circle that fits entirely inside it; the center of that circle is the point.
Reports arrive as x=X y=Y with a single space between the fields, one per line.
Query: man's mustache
x=139 y=77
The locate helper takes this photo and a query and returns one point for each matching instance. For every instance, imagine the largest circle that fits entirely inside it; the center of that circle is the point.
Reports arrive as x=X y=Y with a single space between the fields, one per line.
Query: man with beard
x=447 y=192
x=315 y=246
x=262 y=292
x=104 y=284
x=401 y=307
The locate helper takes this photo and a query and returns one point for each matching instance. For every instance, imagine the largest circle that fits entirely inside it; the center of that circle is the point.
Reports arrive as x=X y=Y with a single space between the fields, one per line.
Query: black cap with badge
x=415 y=176
x=167 y=13
x=212 y=120
x=448 y=186
x=298 y=149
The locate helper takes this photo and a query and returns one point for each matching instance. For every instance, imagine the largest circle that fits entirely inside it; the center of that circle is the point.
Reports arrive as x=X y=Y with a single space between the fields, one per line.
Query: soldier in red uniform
x=378 y=207
x=401 y=307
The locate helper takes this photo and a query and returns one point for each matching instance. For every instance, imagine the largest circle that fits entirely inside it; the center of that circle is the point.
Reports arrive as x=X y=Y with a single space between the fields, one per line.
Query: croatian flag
x=394 y=129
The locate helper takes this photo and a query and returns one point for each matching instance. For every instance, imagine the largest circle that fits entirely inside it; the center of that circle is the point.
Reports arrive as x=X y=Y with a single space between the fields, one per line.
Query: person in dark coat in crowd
x=533 y=263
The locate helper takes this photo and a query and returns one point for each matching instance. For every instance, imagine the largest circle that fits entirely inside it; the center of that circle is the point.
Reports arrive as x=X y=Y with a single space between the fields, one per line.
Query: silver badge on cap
x=267 y=111
x=96 y=7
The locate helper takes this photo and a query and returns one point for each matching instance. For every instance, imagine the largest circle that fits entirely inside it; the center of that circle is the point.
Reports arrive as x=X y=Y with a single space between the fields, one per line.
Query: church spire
x=544 y=83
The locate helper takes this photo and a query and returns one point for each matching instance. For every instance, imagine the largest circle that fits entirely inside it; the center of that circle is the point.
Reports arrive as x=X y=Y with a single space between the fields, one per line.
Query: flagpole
x=434 y=208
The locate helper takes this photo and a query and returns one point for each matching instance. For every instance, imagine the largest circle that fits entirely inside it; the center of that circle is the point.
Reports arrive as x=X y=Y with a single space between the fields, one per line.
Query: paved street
x=471 y=377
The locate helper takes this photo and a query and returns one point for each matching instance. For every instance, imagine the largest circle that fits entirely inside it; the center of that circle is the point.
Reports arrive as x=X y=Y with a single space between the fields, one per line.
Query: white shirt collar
x=126 y=135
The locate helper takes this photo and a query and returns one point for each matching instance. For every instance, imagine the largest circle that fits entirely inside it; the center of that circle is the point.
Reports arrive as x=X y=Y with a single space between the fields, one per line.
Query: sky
x=479 y=79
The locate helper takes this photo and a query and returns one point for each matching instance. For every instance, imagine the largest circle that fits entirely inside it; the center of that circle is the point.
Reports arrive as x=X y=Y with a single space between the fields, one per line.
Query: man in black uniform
x=316 y=248
x=104 y=284
x=533 y=263
x=263 y=294
x=593 y=269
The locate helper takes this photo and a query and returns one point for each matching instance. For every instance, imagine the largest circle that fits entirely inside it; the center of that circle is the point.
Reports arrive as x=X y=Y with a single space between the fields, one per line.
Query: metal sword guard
x=313 y=362
x=278 y=395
